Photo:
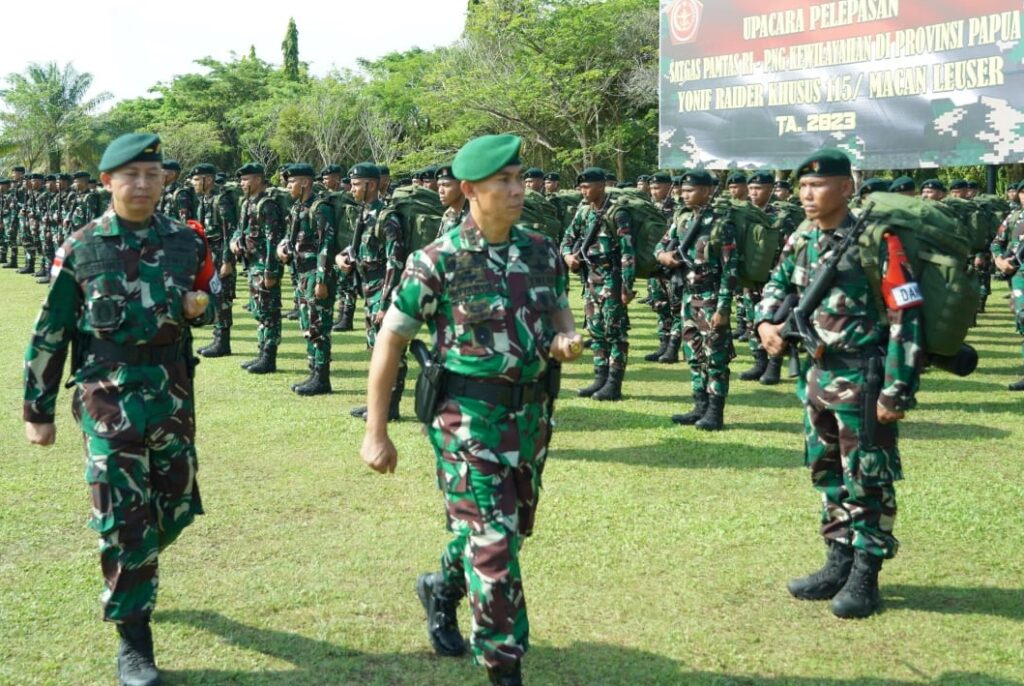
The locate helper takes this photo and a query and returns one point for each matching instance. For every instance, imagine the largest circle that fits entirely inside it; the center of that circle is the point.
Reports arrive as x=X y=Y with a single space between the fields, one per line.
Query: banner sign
x=896 y=84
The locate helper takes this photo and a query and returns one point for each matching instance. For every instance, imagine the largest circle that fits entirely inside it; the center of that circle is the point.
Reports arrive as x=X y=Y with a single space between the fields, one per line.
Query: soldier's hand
x=226 y=270
x=343 y=263
x=572 y=262
x=667 y=259
x=1003 y=265
x=194 y=304
x=627 y=297
x=886 y=416
x=236 y=246
x=282 y=251
x=41 y=434
x=720 y=320
x=378 y=318
x=566 y=347
x=770 y=338
x=269 y=281
x=379 y=453
x=320 y=292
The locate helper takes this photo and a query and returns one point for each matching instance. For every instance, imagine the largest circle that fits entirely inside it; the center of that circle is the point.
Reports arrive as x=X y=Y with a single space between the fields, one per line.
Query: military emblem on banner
x=684 y=20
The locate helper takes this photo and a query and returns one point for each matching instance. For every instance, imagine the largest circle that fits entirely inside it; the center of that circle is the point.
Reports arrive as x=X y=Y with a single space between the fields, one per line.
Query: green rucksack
x=971 y=220
x=541 y=215
x=649 y=226
x=281 y=198
x=938 y=253
x=993 y=210
x=234 y=193
x=787 y=217
x=346 y=214
x=567 y=203
x=419 y=211
x=757 y=238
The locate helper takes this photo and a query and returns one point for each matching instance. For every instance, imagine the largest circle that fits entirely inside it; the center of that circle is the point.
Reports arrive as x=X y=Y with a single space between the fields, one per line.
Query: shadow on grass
x=320 y=662
x=688 y=452
x=933 y=430
x=953 y=600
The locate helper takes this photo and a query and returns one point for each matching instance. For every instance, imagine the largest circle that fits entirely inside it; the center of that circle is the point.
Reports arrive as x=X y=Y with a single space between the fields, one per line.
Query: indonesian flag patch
x=899 y=289
x=58 y=263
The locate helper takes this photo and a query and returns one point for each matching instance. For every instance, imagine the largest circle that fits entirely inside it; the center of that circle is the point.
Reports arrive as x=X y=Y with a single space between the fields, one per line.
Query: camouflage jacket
x=117 y=285
x=452 y=218
x=382 y=251
x=85 y=207
x=667 y=206
x=713 y=254
x=848 y=321
x=611 y=258
x=489 y=308
x=311 y=237
x=223 y=225
x=1009 y=234
x=166 y=203
x=184 y=205
x=260 y=229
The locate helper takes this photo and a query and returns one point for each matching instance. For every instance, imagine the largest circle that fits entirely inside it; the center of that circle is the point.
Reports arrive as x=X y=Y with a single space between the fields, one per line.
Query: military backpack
x=757 y=238
x=971 y=222
x=419 y=211
x=540 y=214
x=649 y=226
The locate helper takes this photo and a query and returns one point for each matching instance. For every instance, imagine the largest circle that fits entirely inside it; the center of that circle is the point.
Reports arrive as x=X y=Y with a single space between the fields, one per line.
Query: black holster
x=429 y=382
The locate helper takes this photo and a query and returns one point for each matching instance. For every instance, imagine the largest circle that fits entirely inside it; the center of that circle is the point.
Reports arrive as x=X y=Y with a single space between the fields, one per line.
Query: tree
x=290 y=48
x=48 y=112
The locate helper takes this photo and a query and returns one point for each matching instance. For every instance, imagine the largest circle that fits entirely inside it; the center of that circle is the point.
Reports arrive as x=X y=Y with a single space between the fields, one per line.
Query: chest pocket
x=100 y=273
x=480 y=327
x=179 y=262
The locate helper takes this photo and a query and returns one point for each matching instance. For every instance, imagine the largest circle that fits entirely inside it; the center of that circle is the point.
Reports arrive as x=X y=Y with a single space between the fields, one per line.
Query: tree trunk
x=54 y=161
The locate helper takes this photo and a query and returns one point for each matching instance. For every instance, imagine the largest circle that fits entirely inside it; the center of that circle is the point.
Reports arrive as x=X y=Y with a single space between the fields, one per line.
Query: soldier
x=450 y=190
x=491 y=483
x=1012 y=196
x=377 y=258
x=610 y=179
x=933 y=189
x=223 y=222
x=599 y=245
x=1004 y=249
x=86 y=205
x=872 y=185
x=332 y=176
x=904 y=185
x=972 y=189
x=664 y=294
x=384 y=192
x=534 y=179
x=736 y=182
x=643 y=184
x=552 y=180
x=309 y=242
x=850 y=421
x=172 y=170
x=429 y=178
x=710 y=267
x=335 y=181
x=783 y=190
x=33 y=215
x=260 y=229
x=5 y=195
x=133 y=370
x=12 y=219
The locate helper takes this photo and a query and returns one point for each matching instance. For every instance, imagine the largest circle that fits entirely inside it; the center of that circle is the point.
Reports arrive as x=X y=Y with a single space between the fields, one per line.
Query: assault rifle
x=680 y=249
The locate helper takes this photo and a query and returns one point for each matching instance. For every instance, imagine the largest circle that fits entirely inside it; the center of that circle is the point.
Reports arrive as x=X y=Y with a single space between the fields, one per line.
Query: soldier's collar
x=111 y=225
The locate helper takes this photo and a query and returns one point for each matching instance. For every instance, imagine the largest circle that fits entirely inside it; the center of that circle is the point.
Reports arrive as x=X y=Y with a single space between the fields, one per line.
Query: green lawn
x=660 y=557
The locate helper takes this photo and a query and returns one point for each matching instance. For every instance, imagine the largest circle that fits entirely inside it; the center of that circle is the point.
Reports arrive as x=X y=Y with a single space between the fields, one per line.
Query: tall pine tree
x=290 y=48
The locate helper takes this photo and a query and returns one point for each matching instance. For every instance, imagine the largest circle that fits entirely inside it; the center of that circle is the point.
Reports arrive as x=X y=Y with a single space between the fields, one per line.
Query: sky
x=130 y=46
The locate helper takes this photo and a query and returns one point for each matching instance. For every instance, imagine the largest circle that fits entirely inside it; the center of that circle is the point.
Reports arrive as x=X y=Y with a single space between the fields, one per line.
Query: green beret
x=131 y=147
x=552 y=176
x=533 y=173
x=485 y=156
x=365 y=170
x=36 y=176
x=784 y=184
x=825 y=162
x=902 y=185
x=934 y=184
x=957 y=185
x=973 y=185
x=874 y=185
x=63 y=176
x=384 y=170
x=762 y=177
x=591 y=175
x=80 y=175
x=697 y=177
x=661 y=177
x=736 y=177
x=332 y=169
x=643 y=178
x=251 y=168
x=4 y=181
x=220 y=177
x=429 y=173
x=18 y=168
x=301 y=169
x=445 y=172
x=203 y=168
x=51 y=177
x=677 y=180
x=171 y=165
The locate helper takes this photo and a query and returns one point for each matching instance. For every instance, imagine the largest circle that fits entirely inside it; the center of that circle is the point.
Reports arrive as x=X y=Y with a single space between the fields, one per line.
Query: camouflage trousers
x=854 y=474
x=223 y=317
x=489 y=466
x=28 y=239
x=707 y=350
x=608 y=327
x=265 y=305
x=985 y=275
x=751 y=297
x=666 y=303
x=316 y=318
x=1017 y=304
x=139 y=431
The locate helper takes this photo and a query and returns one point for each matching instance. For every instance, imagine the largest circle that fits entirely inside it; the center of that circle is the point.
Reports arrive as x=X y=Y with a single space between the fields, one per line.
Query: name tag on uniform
x=906 y=296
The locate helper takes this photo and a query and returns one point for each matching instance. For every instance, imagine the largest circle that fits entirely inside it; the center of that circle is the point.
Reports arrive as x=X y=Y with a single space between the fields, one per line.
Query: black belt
x=137 y=354
x=830 y=360
x=508 y=395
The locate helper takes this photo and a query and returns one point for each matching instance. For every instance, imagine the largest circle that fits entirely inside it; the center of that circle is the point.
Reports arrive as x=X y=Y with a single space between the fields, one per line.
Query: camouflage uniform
x=1004 y=245
x=666 y=299
x=452 y=218
x=311 y=242
x=380 y=259
x=259 y=231
x=489 y=310
x=854 y=472
x=28 y=236
x=708 y=289
x=5 y=196
x=117 y=292
x=13 y=219
x=223 y=225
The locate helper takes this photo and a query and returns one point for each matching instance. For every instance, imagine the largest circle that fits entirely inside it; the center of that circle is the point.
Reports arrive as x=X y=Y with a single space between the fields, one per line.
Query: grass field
x=660 y=554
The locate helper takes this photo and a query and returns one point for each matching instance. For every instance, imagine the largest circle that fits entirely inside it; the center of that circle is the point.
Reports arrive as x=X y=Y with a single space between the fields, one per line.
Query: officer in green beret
x=384 y=192
x=611 y=180
x=452 y=199
x=933 y=189
x=260 y=229
x=643 y=184
x=736 y=182
x=491 y=424
x=1013 y=196
x=534 y=179
x=958 y=188
x=552 y=181
x=850 y=421
x=872 y=185
x=331 y=177
x=429 y=178
x=132 y=367
x=172 y=171
x=783 y=190
x=599 y=246
x=904 y=185
x=973 y=188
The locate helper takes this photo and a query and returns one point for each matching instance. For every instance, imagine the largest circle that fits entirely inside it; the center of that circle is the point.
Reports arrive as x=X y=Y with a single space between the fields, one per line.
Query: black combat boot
x=740 y=332
x=309 y=377
x=221 y=345
x=981 y=304
x=712 y=419
x=600 y=379
x=827 y=581
x=346 y=311
x=319 y=382
x=760 y=365
x=441 y=605
x=773 y=372
x=44 y=270
x=662 y=347
x=671 y=355
x=700 y=406
x=396 y=395
x=859 y=597
x=30 y=265
x=135 y=664
x=612 y=389
x=43 y=279
x=249 y=363
x=1017 y=385
x=267 y=363
x=3 y=255
x=506 y=675
x=13 y=264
